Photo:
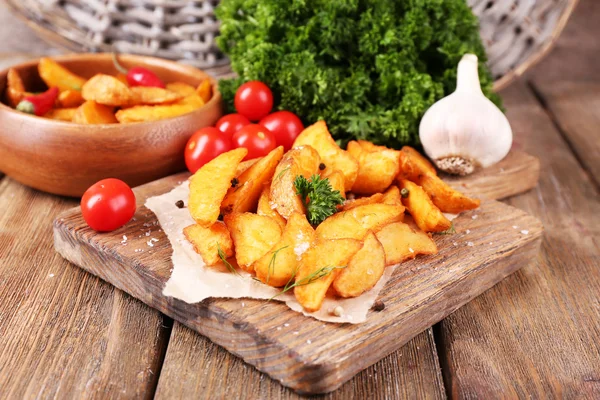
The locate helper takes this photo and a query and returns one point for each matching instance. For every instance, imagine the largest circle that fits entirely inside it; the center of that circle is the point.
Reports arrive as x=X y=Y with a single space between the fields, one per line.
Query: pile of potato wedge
x=264 y=229
x=107 y=99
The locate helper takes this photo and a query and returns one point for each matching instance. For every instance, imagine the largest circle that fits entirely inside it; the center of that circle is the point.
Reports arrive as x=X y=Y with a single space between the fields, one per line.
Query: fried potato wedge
x=392 y=196
x=144 y=95
x=377 y=166
x=61 y=114
x=15 y=89
x=108 y=90
x=208 y=241
x=444 y=197
x=264 y=207
x=363 y=271
x=253 y=236
x=54 y=74
x=181 y=88
x=402 y=242
x=362 y=201
x=277 y=267
x=356 y=222
x=318 y=269
x=154 y=113
x=244 y=165
x=191 y=100
x=91 y=112
x=244 y=196
x=209 y=185
x=122 y=77
x=413 y=164
x=427 y=216
x=318 y=137
x=70 y=99
x=204 y=90
x=336 y=180
x=303 y=161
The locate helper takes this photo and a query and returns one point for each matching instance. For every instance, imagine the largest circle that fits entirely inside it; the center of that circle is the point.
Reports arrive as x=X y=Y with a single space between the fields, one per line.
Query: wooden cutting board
x=307 y=355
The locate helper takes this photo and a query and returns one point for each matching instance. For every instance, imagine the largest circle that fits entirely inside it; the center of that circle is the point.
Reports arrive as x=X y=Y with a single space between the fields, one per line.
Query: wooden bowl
x=66 y=158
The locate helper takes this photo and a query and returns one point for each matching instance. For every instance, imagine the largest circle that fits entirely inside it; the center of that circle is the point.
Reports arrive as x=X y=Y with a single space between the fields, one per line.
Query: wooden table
x=66 y=334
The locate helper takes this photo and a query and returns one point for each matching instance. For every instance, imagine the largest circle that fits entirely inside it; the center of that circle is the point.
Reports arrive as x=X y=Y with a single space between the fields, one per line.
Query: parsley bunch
x=319 y=198
x=370 y=68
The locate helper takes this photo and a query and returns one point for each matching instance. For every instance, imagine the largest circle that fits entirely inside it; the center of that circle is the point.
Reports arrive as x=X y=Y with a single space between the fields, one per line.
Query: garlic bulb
x=465 y=131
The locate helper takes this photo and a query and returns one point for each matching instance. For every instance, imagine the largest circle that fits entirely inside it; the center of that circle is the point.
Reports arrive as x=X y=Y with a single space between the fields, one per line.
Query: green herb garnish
x=320 y=200
x=272 y=263
x=223 y=258
x=448 y=231
x=316 y=275
x=283 y=171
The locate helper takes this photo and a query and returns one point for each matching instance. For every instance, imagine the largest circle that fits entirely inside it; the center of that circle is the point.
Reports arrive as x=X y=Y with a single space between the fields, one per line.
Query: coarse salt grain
x=286 y=325
x=338 y=311
x=369 y=272
x=154 y=240
x=50 y=275
x=309 y=341
x=474 y=217
x=278 y=328
x=515 y=226
x=243 y=304
x=300 y=249
x=149 y=243
x=455 y=244
x=148 y=233
x=470 y=244
x=295 y=333
x=411 y=250
x=525 y=232
x=468 y=231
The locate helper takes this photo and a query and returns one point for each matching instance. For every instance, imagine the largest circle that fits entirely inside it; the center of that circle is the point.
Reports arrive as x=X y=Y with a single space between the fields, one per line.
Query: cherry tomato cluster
x=252 y=127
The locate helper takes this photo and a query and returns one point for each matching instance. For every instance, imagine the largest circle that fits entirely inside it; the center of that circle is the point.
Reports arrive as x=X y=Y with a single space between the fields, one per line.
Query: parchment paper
x=192 y=281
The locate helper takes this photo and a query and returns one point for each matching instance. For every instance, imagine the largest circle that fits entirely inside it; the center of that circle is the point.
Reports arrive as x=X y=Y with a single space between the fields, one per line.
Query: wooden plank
x=65 y=333
x=196 y=368
x=575 y=107
x=308 y=355
x=537 y=333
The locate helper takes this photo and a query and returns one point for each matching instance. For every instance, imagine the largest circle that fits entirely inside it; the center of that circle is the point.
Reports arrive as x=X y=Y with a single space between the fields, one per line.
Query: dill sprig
x=223 y=258
x=283 y=171
x=449 y=231
x=314 y=276
x=271 y=269
x=319 y=198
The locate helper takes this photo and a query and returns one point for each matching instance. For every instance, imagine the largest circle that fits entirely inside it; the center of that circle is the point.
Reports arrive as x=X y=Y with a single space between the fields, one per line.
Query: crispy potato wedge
x=277 y=267
x=377 y=166
x=108 y=90
x=427 y=216
x=208 y=241
x=91 y=112
x=244 y=196
x=61 y=114
x=192 y=100
x=413 y=164
x=244 y=165
x=392 y=196
x=15 y=89
x=143 y=95
x=444 y=197
x=336 y=180
x=303 y=161
x=54 y=74
x=264 y=207
x=356 y=222
x=317 y=136
x=70 y=99
x=363 y=271
x=253 y=236
x=181 y=88
x=362 y=201
x=319 y=267
x=209 y=185
x=402 y=241
x=153 y=113
x=204 y=90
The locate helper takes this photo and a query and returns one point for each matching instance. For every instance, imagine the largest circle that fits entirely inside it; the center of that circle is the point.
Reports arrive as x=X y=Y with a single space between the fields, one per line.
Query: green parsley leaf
x=320 y=200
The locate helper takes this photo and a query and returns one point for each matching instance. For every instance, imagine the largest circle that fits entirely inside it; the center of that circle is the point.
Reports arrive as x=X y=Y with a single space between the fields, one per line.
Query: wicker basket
x=516 y=33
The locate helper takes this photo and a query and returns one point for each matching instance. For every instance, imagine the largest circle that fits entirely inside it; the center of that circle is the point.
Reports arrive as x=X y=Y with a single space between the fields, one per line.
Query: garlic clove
x=465 y=131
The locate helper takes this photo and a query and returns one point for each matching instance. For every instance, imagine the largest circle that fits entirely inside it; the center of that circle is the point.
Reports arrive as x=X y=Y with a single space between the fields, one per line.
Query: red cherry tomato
x=203 y=146
x=253 y=100
x=256 y=138
x=108 y=205
x=231 y=123
x=285 y=125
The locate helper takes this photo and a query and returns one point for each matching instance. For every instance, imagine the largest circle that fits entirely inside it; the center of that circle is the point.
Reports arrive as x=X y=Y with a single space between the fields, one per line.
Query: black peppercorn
x=179 y=204
x=234 y=182
x=322 y=166
x=378 y=305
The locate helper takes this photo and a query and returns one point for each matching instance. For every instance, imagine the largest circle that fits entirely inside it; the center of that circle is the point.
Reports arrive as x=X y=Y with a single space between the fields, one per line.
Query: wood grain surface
x=302 y=353
x=536 y=333
x=196 y=368
x=575 y=107
x=65 y=333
